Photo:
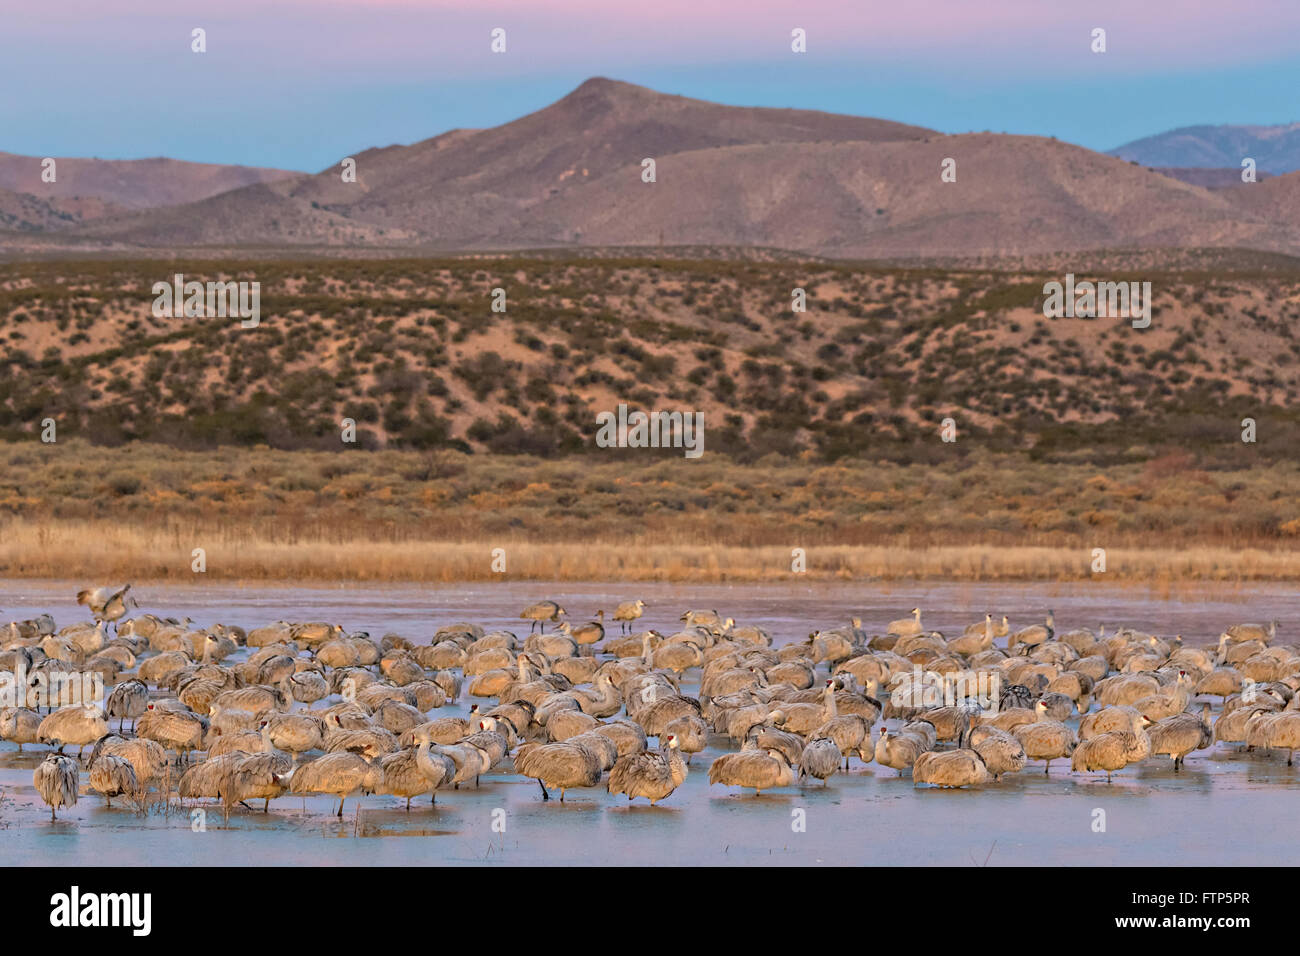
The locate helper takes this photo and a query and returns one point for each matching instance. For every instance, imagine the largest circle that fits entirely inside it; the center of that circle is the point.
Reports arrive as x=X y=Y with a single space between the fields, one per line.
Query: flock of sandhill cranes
x=308 y=708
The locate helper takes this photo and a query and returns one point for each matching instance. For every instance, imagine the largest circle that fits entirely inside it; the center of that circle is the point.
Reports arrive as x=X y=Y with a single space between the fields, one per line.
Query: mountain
x=472 y=187
x=814 y=183
x=1013 y=195
x=1275 y=149
x=1278 y=196
x=130 y=183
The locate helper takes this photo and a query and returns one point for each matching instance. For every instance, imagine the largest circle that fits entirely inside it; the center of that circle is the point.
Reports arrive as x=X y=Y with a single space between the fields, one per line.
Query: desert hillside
x=412 y=351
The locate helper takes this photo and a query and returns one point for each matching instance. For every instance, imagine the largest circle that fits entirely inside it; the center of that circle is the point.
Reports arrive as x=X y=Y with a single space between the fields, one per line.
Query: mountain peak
x=600 y=91
x=604 y=86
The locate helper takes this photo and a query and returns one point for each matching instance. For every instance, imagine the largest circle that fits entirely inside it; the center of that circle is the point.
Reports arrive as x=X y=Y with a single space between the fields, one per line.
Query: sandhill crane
x=20 y=726
x=128 y=699
x=493 y=738
x=1007 y=720
x=78 y=724
x=1236 y=633
x=223 y=742
x=176 y=730
x=701 y=618
x=650 y=774
x=691 y=732
x=1180 y=734
x=605 y=750
x=206 y=778
x=750 y=634
x=438 y=769
x=603 y=700
x=630 y=738
x=1113 y=750
x=339 y=774
x=1046 y=740
x=402 y=776
x=260 y=776
x=107 y=603
x=564 y=765
x=973 y=642
x=1055 y=706
x=834 y=646
x=907 y=626
x=225 y=722
x=1126 y=689
x=55 y=780
x=764 y=738
x=950 y=768
x=146 y=757
x=156 y=670
x=820 y=759
x=541 y=612
x=1280 y=731
x=1166 y=703
x=306 y=687
x=1033 y=635
x=851 y=732
x=899 y=750
x=1016 y=695
x=1222 y=682
x=630 y=611
x=1109 y=719
x=663 y=707
x=112 y=776
x=295 y=734
x=1000 y=751
x=443 y=730
x=756 y=769
x=592 y=632
x=1075 y=686
x=369 y=741
x=397 y=716
x=677 y=656
x=559 y=643
x=471 y=761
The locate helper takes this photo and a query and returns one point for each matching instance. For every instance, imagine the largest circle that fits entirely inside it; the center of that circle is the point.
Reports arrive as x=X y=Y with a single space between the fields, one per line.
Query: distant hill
x=130 y=183
x=1275 y=149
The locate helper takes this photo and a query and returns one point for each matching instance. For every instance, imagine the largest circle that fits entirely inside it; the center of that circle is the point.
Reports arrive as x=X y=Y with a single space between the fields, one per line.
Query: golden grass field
x=137 y=512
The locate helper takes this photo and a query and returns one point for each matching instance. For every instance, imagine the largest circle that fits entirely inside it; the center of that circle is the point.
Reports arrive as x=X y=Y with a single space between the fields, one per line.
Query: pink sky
x=1155 y=33
x=298 y=83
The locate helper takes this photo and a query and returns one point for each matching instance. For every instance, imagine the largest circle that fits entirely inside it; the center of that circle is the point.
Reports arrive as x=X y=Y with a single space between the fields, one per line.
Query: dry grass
x=138 y=512
x=103 y=550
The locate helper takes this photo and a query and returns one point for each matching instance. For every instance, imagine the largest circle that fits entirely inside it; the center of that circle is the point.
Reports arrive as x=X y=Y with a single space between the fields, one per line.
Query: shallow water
x=1227 y=807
